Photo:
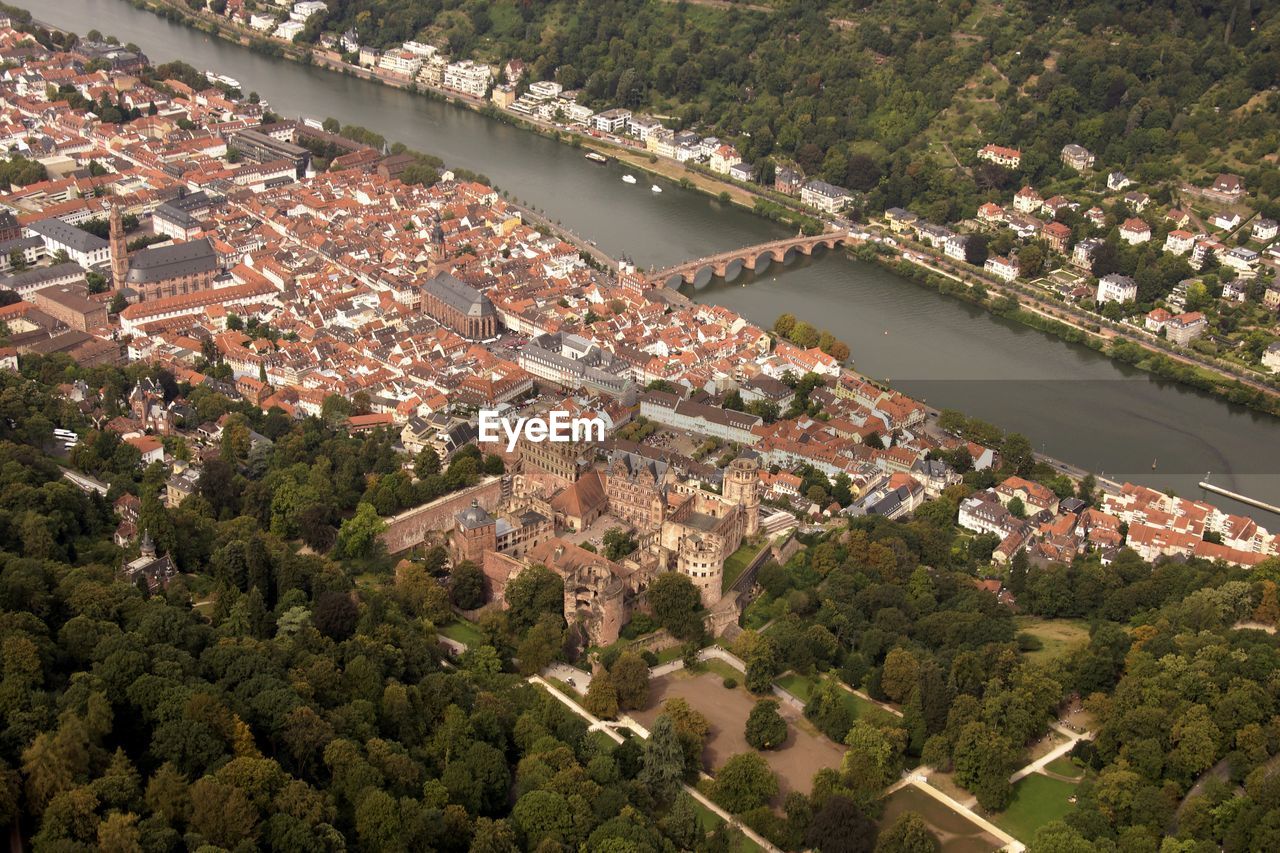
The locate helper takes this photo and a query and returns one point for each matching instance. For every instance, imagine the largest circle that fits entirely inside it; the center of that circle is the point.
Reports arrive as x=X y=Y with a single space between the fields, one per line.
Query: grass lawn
x=463 y=632
x=1037 y=799
x=1064 y=766
x=709 y=820
x=802 y=687
x=738 y=560
x=799 y=686
x=721 y=669
x=669 y=654
x=1056 y=635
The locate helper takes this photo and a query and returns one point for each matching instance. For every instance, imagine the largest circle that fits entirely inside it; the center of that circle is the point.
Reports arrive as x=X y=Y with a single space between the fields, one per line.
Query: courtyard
x=803 y=754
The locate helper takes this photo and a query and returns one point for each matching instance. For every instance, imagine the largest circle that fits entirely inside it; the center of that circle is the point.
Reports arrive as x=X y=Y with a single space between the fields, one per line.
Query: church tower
x=742 y=487
x=119 y=249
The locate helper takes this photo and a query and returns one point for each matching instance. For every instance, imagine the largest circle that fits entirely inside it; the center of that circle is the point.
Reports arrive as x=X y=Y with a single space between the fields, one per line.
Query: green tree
x=901 y=672
x=744 y=782
x=631 y=680
x=534 y=593
x=467 y=586
x=426 y=463
x=618 y=543
x=602 y=697
x=676 y=603
x=907 y=834
x=663 y=761
x=541 y=645
x=359 y=534
x=765 y=727
x=841 y=826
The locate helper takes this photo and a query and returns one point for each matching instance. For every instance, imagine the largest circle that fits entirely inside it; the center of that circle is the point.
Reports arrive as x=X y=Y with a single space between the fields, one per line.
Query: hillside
x=894 y=97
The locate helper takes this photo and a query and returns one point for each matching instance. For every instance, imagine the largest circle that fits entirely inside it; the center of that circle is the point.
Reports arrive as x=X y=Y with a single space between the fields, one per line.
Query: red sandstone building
x=163 y=271
x=464 y=309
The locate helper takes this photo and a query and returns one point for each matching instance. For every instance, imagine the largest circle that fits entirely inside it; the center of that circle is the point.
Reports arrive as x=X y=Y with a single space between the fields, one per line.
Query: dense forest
x=893 y=97
x=283 y=693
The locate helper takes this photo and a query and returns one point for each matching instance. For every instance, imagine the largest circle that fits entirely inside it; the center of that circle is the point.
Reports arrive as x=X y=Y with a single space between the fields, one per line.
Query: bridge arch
x=729 y=265
x=701 y=277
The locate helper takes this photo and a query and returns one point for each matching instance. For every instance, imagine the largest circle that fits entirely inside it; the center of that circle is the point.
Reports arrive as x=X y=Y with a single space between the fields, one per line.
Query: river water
x=1070 y=401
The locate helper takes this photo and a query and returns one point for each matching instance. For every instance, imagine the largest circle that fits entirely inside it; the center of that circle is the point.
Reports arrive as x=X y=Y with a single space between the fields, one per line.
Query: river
x=1073 y=403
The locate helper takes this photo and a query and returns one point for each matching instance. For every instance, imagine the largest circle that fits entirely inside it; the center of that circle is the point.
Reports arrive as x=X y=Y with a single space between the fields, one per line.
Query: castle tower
x=119 y=249
x=475 y=533
x=742 y=487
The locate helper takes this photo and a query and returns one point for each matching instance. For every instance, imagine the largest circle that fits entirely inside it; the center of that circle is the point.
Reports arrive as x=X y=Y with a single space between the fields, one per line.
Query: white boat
x=630 y=179
x=655 y=188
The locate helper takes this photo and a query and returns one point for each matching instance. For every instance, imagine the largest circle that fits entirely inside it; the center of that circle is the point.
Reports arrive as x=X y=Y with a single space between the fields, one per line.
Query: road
x=934 y=261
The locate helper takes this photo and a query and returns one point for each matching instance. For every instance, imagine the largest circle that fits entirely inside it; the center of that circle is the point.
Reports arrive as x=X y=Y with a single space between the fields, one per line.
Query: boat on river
x=628 y=179
x=655 y=188
x=597 y=157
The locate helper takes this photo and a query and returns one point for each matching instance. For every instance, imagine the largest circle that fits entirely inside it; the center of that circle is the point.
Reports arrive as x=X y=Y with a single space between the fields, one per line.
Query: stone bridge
x=728 y=265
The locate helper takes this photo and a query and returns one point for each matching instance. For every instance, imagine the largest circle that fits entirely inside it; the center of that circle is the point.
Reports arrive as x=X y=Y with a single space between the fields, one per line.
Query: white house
x=1082 y=253
x=545 y=89
x=401 y=62
x=1002 y=268
x=1027 y=200
x=983 y=513
x=611 y=121
x=468 y=78
x=1185 y=328
x=1179 y=242
x=1265 y=229
x=1226 y=220
x=1135 y=231
x=85 y=249
x=1117 y=288
x=1241 y=258
x=1271 y=357
x=824 y=196
x=955 y=246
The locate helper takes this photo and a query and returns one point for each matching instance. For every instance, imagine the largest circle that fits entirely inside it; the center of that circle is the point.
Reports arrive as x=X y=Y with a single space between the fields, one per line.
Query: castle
x=679 y=525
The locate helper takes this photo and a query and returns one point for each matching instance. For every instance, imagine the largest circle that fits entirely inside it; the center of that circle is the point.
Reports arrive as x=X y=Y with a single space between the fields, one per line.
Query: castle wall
x=411 y=527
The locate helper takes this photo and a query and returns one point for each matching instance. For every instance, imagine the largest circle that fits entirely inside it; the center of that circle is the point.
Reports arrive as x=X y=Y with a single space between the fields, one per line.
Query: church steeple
x=119 y=249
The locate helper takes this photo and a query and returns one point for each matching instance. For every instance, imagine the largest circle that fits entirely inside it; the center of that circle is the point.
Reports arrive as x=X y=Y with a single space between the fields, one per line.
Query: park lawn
x=802 y=687
x=1064 y=766
x=670 y=653
x=799 y=686
x=1056 y=635
x=720 y=668
x=464 y=632
x=709 y=820
x=738 y=561
x=1037 y=799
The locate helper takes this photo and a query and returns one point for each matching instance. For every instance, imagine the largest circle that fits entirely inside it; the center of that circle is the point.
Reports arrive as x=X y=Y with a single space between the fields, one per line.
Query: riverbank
x=726 y=191
x=1117 y=344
